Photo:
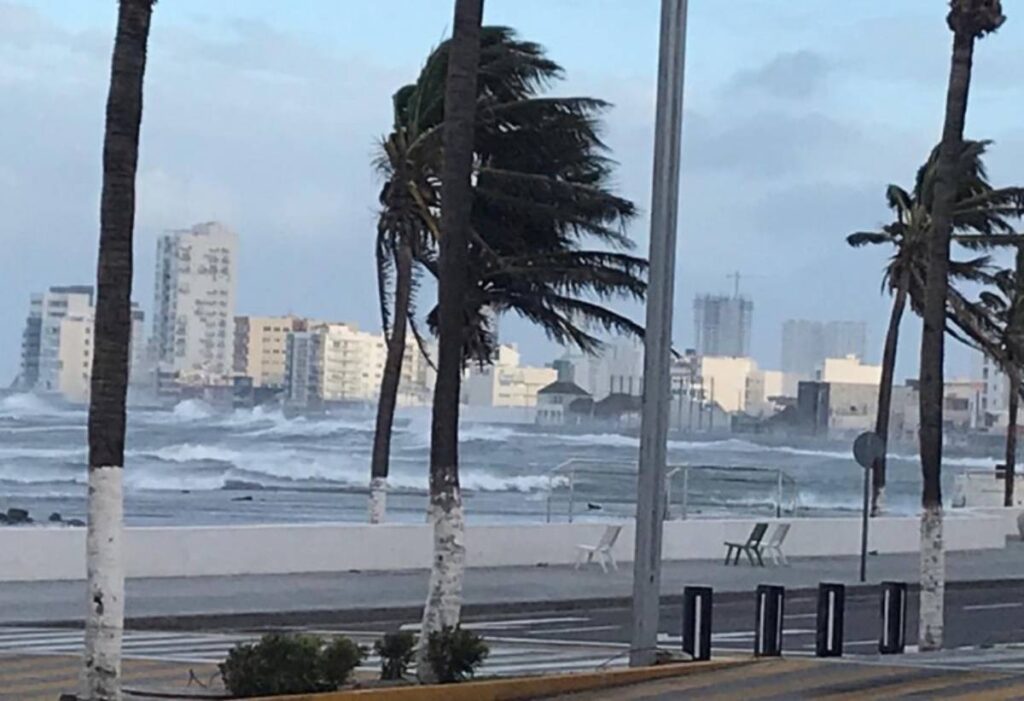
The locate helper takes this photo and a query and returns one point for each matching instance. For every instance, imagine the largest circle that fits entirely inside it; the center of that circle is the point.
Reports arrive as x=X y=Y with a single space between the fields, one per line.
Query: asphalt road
x=978 y=615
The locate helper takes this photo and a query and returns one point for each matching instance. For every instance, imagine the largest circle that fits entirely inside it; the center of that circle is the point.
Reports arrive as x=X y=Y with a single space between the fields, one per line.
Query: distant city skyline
x=264 y=115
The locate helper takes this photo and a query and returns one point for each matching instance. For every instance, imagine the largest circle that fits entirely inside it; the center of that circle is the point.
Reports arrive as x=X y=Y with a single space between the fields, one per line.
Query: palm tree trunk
x=1011 y=438
x=892 y=337
x=444 y=596
x=389 y=385
x=109 y=384
x=933 y=560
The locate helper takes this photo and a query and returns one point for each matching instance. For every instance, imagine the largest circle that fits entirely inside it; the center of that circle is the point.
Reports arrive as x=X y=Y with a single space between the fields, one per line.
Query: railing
x=567 y=475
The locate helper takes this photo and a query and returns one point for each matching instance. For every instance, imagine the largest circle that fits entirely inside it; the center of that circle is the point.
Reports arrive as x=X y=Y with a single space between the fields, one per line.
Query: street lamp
x=658 y=337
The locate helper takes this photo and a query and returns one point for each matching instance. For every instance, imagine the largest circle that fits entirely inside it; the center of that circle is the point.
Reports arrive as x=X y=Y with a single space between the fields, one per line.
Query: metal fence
x=690 y=490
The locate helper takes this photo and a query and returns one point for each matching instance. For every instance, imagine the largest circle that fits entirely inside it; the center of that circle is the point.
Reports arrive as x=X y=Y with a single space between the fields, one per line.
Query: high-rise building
x=995 y=392
x=57 y=345
x=194 y=309
x=722 y=325
x=806 y=344
x=41 y=361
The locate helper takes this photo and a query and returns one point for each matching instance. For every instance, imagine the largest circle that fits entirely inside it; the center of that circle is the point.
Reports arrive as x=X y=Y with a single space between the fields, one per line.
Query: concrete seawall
x=45 y=553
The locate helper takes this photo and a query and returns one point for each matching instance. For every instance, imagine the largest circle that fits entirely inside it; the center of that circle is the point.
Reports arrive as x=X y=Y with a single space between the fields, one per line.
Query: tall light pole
x=650 y=504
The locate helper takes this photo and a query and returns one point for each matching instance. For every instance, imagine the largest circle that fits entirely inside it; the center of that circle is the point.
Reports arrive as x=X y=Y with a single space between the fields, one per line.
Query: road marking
x=578 y=629
x=508 y=623
x=986 y=607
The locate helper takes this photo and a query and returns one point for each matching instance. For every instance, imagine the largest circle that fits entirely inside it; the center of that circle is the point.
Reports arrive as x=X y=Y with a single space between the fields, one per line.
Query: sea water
x=193 y=465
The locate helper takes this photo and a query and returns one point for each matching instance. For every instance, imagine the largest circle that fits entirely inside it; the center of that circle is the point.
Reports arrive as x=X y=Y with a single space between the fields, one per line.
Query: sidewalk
x=38 y=602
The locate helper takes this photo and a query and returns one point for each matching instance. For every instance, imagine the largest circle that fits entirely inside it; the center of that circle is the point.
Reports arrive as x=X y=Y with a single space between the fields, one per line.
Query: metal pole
x=658 y=341
x=686 y=490
x=778 y=500
x=864 y=525
x=572 y=492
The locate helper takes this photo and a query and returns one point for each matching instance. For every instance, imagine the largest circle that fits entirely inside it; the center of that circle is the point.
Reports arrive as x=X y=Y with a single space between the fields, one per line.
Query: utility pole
x=650 y=504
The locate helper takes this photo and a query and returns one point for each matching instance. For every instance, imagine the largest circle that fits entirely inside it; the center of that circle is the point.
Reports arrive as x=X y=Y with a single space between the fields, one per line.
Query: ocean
x=196 y=466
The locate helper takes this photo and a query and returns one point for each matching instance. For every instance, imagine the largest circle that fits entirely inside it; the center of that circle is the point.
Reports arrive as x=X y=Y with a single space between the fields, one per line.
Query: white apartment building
x=194 y=305
x=57 y=345
x=336 y=362
x=995 y=392
x=42 y=340
x=505 y=382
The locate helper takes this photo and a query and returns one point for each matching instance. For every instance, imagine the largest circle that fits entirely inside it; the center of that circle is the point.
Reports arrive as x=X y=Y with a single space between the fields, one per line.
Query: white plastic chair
x=602 y=551
x=774 y=545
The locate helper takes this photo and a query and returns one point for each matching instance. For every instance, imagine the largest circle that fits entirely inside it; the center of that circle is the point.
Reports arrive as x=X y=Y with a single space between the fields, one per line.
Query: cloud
x=795 y=75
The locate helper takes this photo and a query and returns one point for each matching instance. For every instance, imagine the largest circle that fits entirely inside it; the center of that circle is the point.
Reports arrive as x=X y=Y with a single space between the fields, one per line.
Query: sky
x=266 y=114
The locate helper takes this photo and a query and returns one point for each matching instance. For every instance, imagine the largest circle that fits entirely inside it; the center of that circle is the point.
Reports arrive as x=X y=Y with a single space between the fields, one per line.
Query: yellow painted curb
x=519 y=688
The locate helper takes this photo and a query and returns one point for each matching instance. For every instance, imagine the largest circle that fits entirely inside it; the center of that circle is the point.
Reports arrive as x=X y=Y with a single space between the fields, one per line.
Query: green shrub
x=289 y=664
x=338 y=659
x=454 y=654
x=396 y=651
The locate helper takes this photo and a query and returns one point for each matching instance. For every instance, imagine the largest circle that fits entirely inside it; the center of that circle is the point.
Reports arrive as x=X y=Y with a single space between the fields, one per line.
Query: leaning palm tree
x=444 y=593
x=540 y=192
x=981 y=218
x=104 y=554
x=968 y=20
x=1003 y=308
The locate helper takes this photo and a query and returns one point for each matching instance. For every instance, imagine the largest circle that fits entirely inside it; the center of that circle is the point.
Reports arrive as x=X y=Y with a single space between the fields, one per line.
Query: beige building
x=735 y=384
x=74 y=352
x=505 y=382
x=261 y=347
x=849 y=370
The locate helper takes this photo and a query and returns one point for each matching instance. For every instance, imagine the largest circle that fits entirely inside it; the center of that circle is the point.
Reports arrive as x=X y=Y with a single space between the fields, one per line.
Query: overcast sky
x=264 y=114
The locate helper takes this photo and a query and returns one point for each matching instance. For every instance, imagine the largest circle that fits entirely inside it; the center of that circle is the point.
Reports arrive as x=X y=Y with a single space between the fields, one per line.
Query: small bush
x=396 y=651
x=454 y=654
x=338 y=659
x=289 y=664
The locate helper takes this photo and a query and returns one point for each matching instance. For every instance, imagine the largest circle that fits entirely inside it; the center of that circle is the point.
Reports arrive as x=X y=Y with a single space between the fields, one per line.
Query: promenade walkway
x=37 y=602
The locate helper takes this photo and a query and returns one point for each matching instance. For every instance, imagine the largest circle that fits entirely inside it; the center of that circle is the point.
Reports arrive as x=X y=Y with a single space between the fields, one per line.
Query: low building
x=848 y=370
x=261 y=347
x=618 y=368
x=505 y=382
x=556 y=402
x=336 y=362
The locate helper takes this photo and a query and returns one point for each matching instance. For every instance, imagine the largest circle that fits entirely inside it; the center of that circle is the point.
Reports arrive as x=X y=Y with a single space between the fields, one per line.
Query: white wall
x=42 y=553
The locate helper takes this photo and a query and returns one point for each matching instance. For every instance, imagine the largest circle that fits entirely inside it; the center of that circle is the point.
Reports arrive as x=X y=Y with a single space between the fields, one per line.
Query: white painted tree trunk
x=378 y=499
x=879 y=507
x=444 y=596
x=933 y=579
x=105 y=566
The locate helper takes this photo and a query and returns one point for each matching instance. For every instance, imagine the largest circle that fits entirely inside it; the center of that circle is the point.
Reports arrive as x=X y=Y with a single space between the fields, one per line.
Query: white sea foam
x=191 y=410
x=28 y=405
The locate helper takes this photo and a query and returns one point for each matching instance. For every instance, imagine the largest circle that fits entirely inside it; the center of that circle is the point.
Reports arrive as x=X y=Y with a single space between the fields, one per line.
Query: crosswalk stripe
x=508 y=655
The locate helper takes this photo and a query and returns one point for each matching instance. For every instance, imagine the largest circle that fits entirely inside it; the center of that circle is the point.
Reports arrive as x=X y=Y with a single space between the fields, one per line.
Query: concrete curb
x=521 y=688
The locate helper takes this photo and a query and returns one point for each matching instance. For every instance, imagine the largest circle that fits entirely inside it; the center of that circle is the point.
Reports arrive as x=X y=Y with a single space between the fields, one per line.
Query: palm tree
x=980 y=219
x=444 y=594
x=1003 y=308
x=540 y=188
x=968 y=20
x=104 y=555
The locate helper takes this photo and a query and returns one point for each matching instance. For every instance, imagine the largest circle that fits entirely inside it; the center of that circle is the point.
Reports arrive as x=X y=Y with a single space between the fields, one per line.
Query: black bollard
x=894 y=618
x=697 y=622
x=771 y=602
x=831 y=604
